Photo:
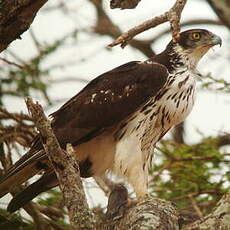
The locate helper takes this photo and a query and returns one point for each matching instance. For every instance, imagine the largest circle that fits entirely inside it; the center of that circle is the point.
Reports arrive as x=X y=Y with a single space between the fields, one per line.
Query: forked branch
x=172 y=16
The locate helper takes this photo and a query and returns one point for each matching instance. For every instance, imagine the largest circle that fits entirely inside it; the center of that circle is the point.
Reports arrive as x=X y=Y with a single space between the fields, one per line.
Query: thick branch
x=154 y=214
x=157 y=214
x=173 y=16
x=218 y=219
x=66 y=168
x=15 y=18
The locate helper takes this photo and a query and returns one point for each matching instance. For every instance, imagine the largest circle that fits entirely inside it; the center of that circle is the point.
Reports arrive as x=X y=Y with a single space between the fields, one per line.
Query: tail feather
x=30 y=164
x=34 y=154
x=21 y=171
x=46 y=182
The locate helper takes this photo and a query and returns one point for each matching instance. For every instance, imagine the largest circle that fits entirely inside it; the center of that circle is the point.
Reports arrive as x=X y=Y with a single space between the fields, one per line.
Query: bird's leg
x=139 y=180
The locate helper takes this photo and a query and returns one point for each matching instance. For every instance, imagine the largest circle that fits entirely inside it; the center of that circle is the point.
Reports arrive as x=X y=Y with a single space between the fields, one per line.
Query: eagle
x=115 y=121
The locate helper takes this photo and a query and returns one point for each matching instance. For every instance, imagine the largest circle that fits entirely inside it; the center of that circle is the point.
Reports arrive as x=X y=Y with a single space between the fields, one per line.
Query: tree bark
x=15 y=18
x=154 y=214
x=219 y=219
x=157 y=214
x=67 y=170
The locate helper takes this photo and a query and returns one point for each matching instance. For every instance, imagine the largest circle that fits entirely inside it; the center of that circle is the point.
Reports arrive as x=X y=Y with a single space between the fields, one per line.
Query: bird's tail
x=21 y=171
x=46 y=182
x=30 y=164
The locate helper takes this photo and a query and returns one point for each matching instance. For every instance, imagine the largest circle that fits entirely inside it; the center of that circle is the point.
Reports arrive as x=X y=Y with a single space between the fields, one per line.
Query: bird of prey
x=116 y=120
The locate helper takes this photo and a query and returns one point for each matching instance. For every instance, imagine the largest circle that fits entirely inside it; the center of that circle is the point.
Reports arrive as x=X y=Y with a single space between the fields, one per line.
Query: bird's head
x=194 y=44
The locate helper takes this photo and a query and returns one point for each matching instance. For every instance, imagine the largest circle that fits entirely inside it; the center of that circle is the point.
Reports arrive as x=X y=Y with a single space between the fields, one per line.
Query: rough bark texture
x=154 y=214
x=222 y=9
x=124 y=4
x=157 y=214
x=219 y=219
x=15 y=18
x=67 y=171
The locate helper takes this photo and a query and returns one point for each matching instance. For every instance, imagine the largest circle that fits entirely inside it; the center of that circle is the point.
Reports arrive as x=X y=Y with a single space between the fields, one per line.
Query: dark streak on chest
x=181 y=83
x=149 y=104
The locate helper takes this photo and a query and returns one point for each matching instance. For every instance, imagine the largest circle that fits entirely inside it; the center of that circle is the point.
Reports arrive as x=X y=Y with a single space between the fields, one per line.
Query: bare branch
x=18 y=117
x=105 y=26
x=195 y=206
x=66 y=168
x=173 y=16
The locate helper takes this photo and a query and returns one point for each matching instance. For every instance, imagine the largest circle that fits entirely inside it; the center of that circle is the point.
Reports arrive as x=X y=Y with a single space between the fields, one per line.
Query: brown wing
x=107 y=100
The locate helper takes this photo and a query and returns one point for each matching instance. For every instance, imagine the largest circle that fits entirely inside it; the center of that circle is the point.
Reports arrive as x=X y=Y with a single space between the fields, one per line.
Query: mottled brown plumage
x=115 y=121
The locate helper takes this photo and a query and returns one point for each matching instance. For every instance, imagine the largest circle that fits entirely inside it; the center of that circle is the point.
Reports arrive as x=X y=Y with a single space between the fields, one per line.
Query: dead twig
x=66 y=168
x=173 y=16
x=105 y=26
x=18 y=117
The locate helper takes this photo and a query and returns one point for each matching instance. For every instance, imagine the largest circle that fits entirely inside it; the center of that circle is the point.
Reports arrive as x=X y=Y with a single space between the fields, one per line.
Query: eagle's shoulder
x=113 y=95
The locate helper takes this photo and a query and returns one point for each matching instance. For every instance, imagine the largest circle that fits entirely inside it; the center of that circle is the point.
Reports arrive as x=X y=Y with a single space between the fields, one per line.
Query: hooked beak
x=216 y=40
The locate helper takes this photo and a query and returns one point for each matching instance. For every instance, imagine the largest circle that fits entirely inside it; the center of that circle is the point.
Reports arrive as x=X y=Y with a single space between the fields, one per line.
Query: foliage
x=196 y=174
x=14 y=221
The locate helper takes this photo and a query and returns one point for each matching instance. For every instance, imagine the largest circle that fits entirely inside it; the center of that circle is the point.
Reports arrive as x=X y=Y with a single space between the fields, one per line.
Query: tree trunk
x=15 y=18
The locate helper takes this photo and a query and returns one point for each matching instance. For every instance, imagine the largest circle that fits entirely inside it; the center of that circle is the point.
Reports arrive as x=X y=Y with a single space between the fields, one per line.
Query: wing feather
x=108 y=99
x=105 y=101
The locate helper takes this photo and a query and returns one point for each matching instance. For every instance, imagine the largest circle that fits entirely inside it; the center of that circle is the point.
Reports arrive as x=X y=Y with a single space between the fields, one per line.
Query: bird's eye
x=196 y=36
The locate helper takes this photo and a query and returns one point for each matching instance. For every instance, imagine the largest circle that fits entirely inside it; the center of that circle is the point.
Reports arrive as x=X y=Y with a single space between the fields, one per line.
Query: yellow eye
x=196 y=36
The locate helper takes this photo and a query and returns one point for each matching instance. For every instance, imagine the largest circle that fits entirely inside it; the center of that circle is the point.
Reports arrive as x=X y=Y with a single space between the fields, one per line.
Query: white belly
x=135 y=144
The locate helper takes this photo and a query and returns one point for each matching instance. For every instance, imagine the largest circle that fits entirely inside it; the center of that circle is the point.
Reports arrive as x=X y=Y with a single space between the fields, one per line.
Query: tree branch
x=157 y=214
x=154 y=214
x=218 y=219
x=173 y=16
x=105 y=26
x=66 y=168
x=15 y=18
